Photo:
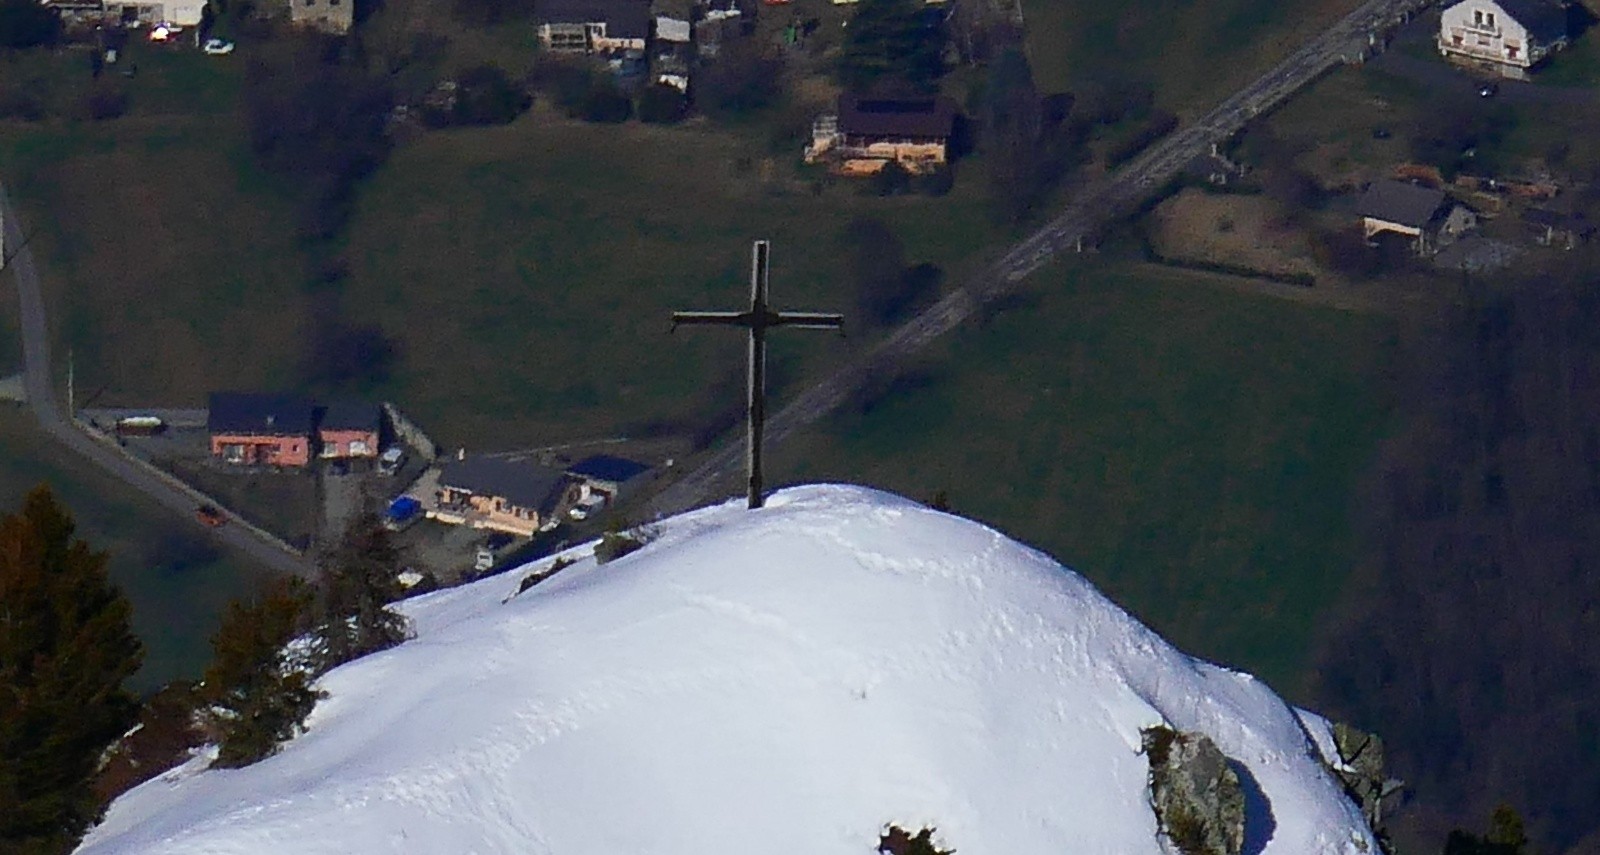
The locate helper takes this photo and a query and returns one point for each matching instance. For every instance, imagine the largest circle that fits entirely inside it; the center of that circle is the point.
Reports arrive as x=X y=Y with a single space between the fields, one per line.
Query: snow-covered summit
x=790 y=679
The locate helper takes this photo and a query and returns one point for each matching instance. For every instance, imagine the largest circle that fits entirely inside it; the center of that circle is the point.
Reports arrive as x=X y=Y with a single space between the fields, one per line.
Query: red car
x=210 y=515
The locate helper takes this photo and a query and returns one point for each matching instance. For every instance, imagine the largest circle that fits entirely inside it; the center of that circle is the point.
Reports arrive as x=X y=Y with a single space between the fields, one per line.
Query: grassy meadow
x=1192 y=54
x=179 y=582
x=1190 y=448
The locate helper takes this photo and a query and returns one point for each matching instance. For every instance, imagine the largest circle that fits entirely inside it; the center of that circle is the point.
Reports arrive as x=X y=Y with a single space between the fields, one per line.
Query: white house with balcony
x=1507 y=37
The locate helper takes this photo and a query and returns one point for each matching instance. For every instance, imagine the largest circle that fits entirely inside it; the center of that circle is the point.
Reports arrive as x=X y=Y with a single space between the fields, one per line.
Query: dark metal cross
x=758 y=319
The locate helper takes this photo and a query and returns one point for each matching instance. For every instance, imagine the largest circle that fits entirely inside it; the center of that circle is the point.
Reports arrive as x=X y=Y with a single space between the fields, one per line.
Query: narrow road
x=1100 y=204
x=41 y=399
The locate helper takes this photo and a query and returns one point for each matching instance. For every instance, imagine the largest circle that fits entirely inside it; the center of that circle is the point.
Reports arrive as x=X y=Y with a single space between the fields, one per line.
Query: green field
x=178 y=581
x=1193 y=54
x=529 y=271
x=1191 y=449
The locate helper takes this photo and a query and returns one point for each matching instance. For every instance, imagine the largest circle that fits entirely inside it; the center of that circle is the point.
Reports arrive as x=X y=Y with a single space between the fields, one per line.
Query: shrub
x=105 y=102
x=614 y=545
x=662 y=104
x=538 y=576
x=486 y=96
x=897 y=841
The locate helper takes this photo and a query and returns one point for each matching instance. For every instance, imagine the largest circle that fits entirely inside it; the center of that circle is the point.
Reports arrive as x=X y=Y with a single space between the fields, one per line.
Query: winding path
x=1100 y=204
x=164 y=490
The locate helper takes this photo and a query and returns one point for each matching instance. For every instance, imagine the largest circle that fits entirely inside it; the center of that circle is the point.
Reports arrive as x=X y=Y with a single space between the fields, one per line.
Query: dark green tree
x=66 y=647
x=662 y=104
x=258 y=696
x=26 y=23
x=486 y=96
x=1507 y=836
x=892 y=41
x=359 y=581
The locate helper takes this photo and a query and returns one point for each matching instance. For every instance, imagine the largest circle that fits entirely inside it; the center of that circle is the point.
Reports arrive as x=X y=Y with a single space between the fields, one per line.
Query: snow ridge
x=807 y=673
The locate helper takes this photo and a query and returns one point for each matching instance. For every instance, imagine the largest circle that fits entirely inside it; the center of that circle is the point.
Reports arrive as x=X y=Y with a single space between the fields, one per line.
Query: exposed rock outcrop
x=1197 y=797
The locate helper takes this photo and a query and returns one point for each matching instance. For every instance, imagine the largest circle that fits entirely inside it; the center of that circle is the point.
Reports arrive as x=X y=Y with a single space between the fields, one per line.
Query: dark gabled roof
x=1401 y=203
x=258 y=414
x=526 y=485
x=604 y=467
x=624 y=19
x=350 y=415
x=933 y=116
x=1545 y=21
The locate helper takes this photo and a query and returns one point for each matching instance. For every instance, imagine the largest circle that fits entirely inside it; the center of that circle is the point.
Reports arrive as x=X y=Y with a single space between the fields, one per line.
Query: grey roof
x=351 y=415
x=526 y=485
x=1545 y=20
x=605 y=467
x=1400 y=203
x=259 y=414
x=624 y=19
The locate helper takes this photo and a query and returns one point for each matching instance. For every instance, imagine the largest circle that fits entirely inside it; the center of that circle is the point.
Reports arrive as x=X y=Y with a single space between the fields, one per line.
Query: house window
x=1511 y=51
x=1477 y=17
x=1490 y=18
x=233 y=452
x=357 y=446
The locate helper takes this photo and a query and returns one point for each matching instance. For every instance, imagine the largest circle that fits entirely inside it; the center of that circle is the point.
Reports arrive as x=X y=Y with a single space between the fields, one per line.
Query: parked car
x=484 y=559
x=217 y=47
x=210 y=515
x=392 y=458
x=1487 y=89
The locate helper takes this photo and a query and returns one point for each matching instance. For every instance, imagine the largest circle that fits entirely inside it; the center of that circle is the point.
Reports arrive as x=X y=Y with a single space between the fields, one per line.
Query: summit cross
x=758 y=319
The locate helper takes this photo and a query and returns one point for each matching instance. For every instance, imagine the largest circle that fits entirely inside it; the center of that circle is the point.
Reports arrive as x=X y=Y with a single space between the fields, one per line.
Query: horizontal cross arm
x=809 y=320
x=741 y=319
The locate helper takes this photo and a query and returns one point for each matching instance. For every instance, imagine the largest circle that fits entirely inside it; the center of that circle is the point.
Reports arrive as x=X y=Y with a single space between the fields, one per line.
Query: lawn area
x=179 y=582
x=529 y=271
x=1193 y=54
x=1191 y=449
x=525 y=272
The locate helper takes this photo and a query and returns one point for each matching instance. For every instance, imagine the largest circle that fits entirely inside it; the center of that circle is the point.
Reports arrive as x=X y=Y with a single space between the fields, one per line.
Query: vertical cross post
x=759 y=317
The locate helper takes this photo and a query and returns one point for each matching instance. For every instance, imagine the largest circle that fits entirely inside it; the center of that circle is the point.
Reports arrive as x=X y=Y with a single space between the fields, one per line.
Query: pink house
x=349 y=430
x=260 y=430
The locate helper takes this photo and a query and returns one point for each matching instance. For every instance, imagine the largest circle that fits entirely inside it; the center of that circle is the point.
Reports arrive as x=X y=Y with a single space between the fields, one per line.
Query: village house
x=513 y=496
x=349 y=429
x=1423 y=214
x=870 y=132
x=606 y=476
x=175 y=13
x=593 y=26
x=329 y=16
x=251 y=429
x=1507 y=37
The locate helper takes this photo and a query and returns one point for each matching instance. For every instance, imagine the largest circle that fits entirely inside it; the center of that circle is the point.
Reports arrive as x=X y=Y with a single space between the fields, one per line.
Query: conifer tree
x=66 y=647
x=359 y=580
x=258 y=695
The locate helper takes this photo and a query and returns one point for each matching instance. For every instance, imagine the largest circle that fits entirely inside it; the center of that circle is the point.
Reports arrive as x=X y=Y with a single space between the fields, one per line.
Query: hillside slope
x=788 y=679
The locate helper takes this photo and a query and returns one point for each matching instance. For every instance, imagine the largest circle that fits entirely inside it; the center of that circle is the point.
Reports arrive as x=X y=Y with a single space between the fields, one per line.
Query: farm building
x=253 y=429
x=1507 y=37
x=868 y=133
x=1424 y=214
x=180 y=13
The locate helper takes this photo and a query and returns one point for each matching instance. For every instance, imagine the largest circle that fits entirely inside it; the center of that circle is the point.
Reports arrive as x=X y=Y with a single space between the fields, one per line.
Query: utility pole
x=757 y=320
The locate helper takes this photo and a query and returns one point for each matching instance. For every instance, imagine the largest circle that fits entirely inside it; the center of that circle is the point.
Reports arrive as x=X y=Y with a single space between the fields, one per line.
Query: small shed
x=606 y=475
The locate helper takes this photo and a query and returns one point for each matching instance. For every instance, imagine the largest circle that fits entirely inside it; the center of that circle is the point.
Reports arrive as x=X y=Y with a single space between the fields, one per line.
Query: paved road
x=1097 y=206
x=41 y=398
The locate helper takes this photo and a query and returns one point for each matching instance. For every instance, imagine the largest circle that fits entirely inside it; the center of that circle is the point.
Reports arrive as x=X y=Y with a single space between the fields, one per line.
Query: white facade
x=181 y=13
x=1483 y=32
